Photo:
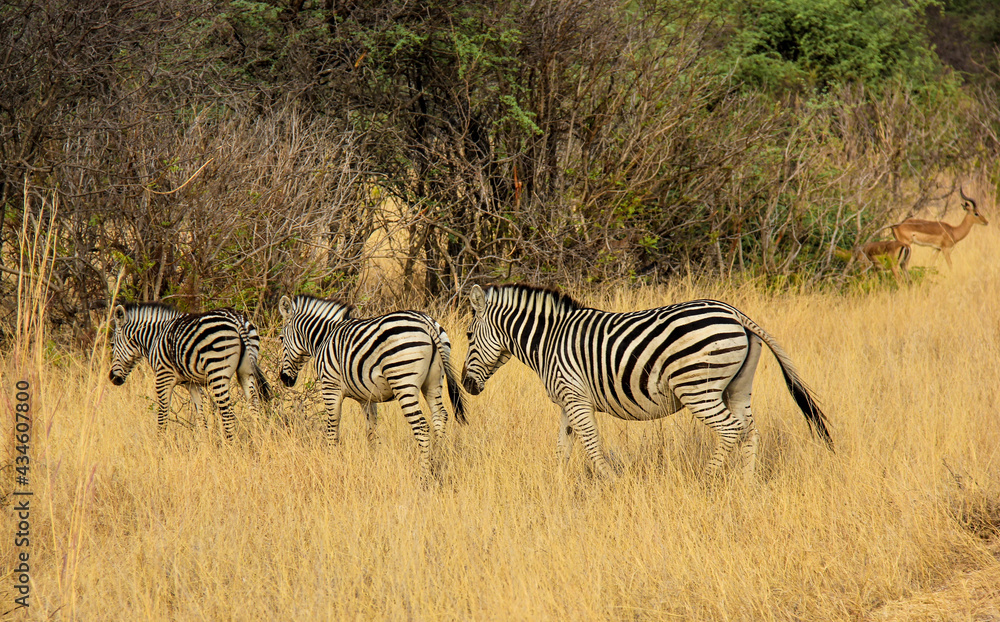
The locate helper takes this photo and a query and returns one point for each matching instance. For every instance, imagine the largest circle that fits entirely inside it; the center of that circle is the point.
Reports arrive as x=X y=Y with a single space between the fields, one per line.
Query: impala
x=898 y=253
x=937 y=234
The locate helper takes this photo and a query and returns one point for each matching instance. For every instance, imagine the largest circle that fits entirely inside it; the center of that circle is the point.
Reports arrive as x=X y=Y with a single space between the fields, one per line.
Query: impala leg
x=895 y=272
x=947 y=256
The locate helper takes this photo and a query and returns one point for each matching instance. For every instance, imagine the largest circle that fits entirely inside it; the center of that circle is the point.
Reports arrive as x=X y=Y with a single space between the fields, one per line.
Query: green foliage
x=813 y=45
x=516 y=140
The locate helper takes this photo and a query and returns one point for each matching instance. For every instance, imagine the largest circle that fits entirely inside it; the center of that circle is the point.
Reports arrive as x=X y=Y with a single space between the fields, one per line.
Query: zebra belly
x=374 y=388
x=664 y=406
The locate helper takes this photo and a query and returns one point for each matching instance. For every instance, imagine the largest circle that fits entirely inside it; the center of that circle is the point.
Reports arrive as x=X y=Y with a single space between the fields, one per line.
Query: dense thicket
x=228 y=151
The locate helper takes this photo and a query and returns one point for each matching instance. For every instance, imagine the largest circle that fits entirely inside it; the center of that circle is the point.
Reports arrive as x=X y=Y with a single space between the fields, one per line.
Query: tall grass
x=902 y=521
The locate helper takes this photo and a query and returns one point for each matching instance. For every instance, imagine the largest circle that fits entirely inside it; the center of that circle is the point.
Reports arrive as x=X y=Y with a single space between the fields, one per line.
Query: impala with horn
x=937 y=234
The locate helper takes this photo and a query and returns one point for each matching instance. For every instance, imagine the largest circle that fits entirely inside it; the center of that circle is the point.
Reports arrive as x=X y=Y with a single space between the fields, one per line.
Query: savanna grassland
x=900 y=523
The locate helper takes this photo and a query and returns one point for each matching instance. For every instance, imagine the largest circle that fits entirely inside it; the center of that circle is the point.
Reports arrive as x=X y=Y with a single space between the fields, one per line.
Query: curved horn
x=961 y=191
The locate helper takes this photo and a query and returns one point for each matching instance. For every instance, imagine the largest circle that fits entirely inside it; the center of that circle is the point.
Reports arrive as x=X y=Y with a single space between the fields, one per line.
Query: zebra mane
x=305 y=300
x=519 y=293
x=139 y=306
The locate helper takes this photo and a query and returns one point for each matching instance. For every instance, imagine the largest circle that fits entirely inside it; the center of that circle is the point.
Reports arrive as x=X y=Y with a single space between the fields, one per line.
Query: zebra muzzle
x=287 y=380
x=473 y=387
x=116 y=379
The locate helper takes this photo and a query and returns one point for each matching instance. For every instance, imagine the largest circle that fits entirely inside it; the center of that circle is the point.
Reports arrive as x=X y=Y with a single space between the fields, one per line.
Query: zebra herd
x=641 y=365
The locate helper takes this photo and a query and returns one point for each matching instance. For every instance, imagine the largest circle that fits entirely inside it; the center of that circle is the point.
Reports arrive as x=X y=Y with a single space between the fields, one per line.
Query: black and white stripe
x=638 y=366
x=399 y=355
x=191 y=349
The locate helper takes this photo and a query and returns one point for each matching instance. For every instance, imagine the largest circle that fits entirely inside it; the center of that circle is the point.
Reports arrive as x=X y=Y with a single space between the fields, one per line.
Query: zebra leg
x=409 y=401
x=249 y=385
x=737 y=397
x=566 y=438
x=434 y=394
x=333 y=399
x=371 y=414
x=219 y=386
x=165 y=384
x=196 y=395
x=716 y=415
x=581 y=418
x=730 y=430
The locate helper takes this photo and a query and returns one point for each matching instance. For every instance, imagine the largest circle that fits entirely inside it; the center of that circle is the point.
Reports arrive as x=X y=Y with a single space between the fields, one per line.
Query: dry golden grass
x=900 y=523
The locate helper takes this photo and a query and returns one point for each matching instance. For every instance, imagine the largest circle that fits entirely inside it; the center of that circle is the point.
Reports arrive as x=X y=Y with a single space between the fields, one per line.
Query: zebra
x=397 y=355
x=191 y=349
x=641 y=365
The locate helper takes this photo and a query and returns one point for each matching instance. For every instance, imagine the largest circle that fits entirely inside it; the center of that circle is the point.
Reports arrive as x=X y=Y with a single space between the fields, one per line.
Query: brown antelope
x=898 y=253
x=937 y=234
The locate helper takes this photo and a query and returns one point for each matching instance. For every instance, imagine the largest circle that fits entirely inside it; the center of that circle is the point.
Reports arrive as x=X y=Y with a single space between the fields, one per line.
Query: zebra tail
x=800 y=393
x=443 y=345
x=263 y=387
x=807 y=404
x=455 y=393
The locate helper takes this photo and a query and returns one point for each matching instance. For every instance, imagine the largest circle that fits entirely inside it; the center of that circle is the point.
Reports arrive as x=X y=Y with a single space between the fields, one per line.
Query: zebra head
x=307 y=324
x=487 y=352
x=125 y=348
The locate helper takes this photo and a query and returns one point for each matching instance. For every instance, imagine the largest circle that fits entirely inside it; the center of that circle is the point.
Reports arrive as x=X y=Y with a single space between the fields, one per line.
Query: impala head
x=487 y=352
x=125 y=349
x=971 y=208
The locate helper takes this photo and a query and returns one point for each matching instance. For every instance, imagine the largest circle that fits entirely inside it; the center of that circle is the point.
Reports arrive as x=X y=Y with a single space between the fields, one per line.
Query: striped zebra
x=191 y=349
x=642 y=365
x=398 y=355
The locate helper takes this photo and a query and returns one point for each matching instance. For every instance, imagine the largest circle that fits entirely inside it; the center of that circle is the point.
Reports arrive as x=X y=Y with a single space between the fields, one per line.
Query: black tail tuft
x=904 y=257
x=455 y=393
x=263 y=388
x=809 y=408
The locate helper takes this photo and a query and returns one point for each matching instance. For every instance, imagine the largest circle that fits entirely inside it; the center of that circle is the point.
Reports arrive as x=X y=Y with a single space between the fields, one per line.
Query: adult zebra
x=191 y=349
x=397 y=355
x=642 y=365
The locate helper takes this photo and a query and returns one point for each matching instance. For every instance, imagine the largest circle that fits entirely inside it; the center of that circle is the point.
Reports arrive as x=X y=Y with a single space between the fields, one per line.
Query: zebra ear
x=477 y=298
x=119 y=315
x=285 y=307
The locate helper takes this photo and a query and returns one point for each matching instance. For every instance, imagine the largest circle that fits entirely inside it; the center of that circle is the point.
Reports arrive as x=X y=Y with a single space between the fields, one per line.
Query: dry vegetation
x=901 y=523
